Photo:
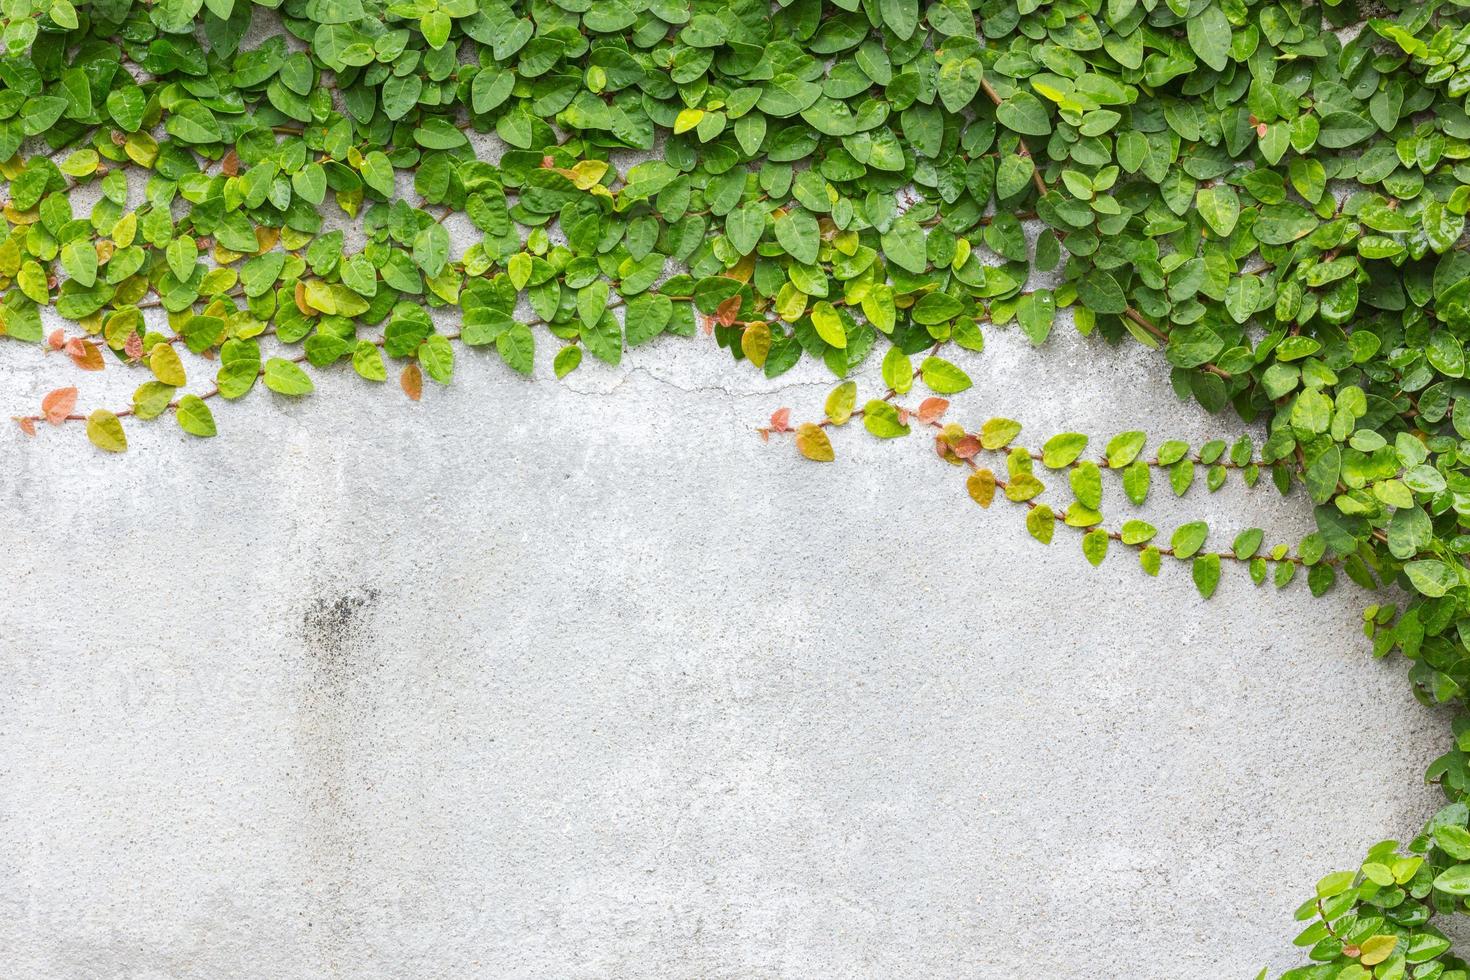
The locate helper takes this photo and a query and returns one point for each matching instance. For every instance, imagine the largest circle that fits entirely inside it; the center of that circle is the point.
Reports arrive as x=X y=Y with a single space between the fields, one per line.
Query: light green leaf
x=286 y=378
x=195 y=417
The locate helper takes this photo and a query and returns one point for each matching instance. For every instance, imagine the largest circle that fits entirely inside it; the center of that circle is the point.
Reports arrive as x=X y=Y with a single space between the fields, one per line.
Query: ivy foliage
x=1271 y=194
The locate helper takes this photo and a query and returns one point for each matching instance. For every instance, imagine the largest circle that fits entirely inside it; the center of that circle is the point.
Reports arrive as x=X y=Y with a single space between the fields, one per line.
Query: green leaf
x=1206 y=572
x=1431 y=578
x=1035 y=313
x=1454 y=840
x=959 y=81
x=286 y=378
x=996 y=433
x=798 y=234
x=898 y=371
x=517 y=347
x=79 y=259
x=192 y=122
x=942 y=377
x=105 y=430
x=841 y=402
x=566 y=361
x=1095 y=546
x=881 y=419
x=1454 y=880
x=648 y=315
x=431 y=249
x=1061 y=450
x=904 y=245
x=1023 y=113
x=1100 y=292
x=1209 y=36
x=436 y=357
x=182 y=254
x=1189 y=538
x=1137 y=476
x=828 y=324
x=900 y=15
x=239 y=367
x=745 y=226
x=1220 y=207
x=1041 y=523
x=935 y=308
x=435 y=26
x=603 y=338
x=195 y=417
x=518 y=267
x=1247 y=543
x=377 y=172
x=1086 y=481
x=1124 y=448
x=1136 y=532
x=367 y=361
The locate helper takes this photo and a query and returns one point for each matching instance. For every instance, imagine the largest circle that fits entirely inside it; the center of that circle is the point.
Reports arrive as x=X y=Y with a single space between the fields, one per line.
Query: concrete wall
x=539 y=679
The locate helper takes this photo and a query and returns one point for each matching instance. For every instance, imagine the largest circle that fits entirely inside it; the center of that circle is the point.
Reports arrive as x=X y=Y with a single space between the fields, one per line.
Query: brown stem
x=1040 y=184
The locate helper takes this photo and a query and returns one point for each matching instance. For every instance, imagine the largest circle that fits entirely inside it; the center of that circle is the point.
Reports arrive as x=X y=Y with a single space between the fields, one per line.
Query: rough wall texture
x=540 y=679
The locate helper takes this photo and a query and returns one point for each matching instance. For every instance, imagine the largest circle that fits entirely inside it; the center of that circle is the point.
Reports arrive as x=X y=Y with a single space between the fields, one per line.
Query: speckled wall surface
x=582 y=679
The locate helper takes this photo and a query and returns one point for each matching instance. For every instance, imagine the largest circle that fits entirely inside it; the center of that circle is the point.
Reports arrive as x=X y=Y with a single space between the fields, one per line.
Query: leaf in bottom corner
x=106 y=431
x=812 y=442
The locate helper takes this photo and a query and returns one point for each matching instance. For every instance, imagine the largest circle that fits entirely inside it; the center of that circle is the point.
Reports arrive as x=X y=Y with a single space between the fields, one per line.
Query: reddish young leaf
x=229 y=164
x=967 y=447
x=727 y=311
x=26 y=425
x=299 y=295
x=932 y=409
x=133 y=346
x=412 y=381
x=57 y=405
x=781 y=420
x=56 y=339
x=85 y=354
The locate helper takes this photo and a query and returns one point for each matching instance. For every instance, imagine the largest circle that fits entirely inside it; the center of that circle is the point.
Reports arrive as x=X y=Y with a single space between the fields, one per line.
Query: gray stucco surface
x=582 y=679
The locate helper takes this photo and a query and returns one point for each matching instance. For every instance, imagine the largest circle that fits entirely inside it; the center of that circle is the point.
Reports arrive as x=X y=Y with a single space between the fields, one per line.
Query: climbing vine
x=1271 y=195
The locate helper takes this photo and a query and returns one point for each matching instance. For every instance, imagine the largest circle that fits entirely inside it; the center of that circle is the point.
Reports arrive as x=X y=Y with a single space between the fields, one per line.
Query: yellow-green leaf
x=812 y=441
x=106 y=431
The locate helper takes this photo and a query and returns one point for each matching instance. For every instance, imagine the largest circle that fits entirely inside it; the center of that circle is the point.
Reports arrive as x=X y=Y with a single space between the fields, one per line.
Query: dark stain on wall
x=336 y=627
